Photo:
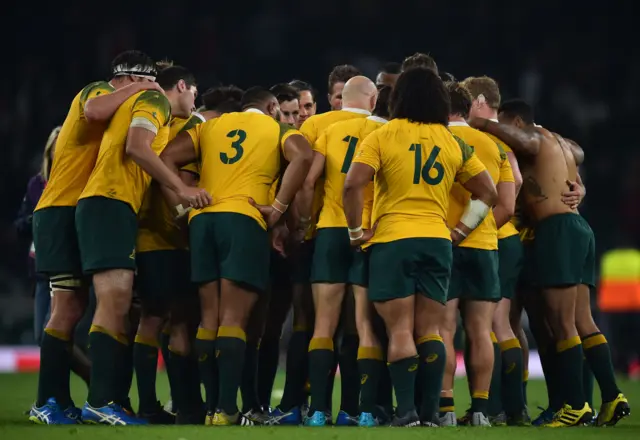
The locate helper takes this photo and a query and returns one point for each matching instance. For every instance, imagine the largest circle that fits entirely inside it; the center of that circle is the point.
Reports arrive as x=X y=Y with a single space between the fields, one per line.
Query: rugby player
x=312 y=129
x=337 y=80
x=335 y=265
x=289 y=99
x=280 y=295
x=415 y=160
x=106 y=224
x=564 y=258
x=307 y=100
x=240 y=156
x=388 y=74
x=474 y=284
x=163 y=282
x=509 y=371
x=54 y=231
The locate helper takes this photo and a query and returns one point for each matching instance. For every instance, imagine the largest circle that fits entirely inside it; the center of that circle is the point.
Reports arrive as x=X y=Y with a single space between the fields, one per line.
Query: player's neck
x=357 y=107
x=488 y=113
x=456 y=118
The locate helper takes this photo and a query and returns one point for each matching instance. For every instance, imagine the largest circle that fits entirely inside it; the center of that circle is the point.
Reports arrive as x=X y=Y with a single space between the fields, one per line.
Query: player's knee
x=150 y=326
x=116 y=303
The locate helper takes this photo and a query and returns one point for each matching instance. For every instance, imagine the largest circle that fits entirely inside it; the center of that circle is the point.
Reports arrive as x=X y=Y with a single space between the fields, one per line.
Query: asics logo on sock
x=413 y=367
x=203 y=357
x=363 y=379
x=511 y=367
x=431 y=358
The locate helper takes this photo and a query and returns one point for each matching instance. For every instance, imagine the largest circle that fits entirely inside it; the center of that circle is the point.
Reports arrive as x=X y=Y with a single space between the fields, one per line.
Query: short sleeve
x=470 y=168
x=308 y=130
x=194 y=120
x=93 y=90
x=194 y=133
x=321 y=144
x=369 y=152
x=286 y=131
x=191 y=168
x=151 y=109
x=506 y=173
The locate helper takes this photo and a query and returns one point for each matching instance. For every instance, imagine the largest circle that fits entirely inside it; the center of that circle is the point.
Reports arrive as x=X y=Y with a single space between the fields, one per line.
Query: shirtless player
x=564 y=258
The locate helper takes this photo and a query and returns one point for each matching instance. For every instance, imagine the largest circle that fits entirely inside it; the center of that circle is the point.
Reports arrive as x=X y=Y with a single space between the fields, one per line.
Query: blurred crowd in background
x=575 y=62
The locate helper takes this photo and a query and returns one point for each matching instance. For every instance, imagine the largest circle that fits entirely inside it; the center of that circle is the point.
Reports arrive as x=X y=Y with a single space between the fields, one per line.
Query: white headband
x=140 y=70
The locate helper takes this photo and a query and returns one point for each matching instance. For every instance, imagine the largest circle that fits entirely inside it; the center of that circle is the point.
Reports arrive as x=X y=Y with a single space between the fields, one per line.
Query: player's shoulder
x=99 y=87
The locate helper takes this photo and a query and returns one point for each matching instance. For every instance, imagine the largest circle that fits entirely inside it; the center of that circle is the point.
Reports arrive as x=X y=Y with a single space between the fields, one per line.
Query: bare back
x=545 y=178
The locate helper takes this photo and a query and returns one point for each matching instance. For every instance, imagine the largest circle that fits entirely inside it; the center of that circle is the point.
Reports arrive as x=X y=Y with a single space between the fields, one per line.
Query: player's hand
x=196 y=198
x=279 y=236
x=367 y=234
x=269 y=213
x=150 y=85
x=574 y=196
x=456 y=237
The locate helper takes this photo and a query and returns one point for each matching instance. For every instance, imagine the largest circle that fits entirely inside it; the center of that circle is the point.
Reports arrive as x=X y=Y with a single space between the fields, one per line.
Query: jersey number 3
x=236 y=145
x=425 y=171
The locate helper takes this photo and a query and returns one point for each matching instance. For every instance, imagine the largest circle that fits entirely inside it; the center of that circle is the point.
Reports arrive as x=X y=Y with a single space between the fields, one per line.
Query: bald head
x=359 y=92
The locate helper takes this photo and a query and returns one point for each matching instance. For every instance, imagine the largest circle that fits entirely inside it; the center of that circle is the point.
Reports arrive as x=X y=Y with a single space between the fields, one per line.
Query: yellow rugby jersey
x=312 y=129
x=416 y=166
x=509 y=228
x=157 y=229
x=76 y=151
x=338 y=144
x=240 y=156
x=485 y=236
x=116 y=175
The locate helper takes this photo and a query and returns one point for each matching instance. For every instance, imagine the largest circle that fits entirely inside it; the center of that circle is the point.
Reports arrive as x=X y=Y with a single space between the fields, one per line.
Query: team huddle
x=416 y=200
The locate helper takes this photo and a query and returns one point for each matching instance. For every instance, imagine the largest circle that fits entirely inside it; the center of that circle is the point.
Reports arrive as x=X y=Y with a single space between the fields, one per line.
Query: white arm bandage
x=182 y=211
x=143 y=123
x=474 y=213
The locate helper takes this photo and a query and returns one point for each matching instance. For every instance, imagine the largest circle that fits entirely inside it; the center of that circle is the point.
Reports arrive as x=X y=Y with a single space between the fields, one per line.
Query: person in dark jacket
x=23 y=226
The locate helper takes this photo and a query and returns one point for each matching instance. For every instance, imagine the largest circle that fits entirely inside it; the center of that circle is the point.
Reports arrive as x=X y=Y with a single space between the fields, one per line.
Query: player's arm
x=101 y=107
x=178 y=153
x=576 y=150
x=298 y=153
x=365 y=165
x=515 y=170
x=304 y=198
x=506 y=189
x=475 y=178
x=150 y=113
x=523 y=142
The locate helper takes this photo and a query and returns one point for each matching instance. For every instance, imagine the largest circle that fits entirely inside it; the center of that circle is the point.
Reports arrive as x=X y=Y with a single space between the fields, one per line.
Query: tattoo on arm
x=533 y=188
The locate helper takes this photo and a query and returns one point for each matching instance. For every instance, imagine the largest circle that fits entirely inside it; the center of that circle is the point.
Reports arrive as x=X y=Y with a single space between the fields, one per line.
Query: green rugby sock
x=403 y=376
x=525 y=382
x=570 y=360
x=447 y=404
x=145 y=363
x=349 y=374
x=495 y=403
x=231 y=349
x=370 y=366
x=268 y=358
x=249 y=385
x=166 y=357
x=587 y=382
x=598 y=354
x=433 y=358
x=108 y=354
x=186 y=395
x=321 y=361
x=480 y=402
x=205 y=347
x=512 y=373
x=55 y=368
x=297 y=369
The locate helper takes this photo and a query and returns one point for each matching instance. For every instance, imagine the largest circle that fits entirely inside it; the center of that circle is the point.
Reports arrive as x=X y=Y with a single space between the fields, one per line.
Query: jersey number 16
x=425 y=171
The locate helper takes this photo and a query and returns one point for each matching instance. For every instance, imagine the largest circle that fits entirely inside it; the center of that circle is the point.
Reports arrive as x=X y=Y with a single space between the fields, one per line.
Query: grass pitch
x=17 y=392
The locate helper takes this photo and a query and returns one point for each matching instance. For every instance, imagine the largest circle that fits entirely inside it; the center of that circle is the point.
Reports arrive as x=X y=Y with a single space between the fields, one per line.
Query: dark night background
x=576 y=62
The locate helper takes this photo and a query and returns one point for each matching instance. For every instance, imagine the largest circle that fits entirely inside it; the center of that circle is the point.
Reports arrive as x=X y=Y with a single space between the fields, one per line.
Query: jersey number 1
x=425 y=171
x=236 y=145
x=351 y=148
